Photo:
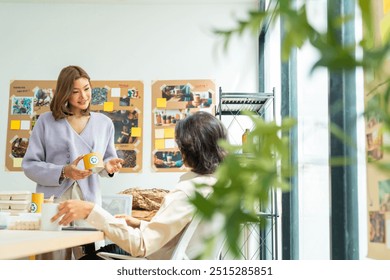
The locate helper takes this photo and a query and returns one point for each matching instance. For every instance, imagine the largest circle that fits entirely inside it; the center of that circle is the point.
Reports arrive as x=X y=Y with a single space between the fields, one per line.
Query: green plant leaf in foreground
x=244 y=181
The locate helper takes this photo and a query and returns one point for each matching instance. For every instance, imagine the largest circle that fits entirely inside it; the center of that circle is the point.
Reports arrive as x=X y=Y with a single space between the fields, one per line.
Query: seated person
x=197 y=137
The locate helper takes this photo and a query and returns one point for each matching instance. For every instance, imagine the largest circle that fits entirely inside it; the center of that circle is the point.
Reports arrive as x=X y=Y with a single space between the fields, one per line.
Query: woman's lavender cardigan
x=54 y=144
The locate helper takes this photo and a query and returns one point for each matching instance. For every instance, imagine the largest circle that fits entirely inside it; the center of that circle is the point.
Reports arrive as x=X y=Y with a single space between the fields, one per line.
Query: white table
x=16 y=244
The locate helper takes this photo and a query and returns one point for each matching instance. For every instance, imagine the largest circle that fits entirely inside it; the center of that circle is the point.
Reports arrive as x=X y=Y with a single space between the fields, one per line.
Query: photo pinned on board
x=42 y=96
x=124 y=121
x=167 y=159
x=22 y=105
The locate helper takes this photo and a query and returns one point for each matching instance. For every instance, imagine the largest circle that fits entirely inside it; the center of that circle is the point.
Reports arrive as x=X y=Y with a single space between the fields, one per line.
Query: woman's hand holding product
x=72 y=172
x=113 y=165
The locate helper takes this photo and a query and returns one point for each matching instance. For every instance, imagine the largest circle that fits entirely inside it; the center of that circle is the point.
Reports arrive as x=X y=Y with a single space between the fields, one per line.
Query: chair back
x=193 y=236
x=179 y=253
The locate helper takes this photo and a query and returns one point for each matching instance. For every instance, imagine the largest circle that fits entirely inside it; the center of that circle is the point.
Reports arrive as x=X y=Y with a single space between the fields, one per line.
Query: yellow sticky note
x=161 y=102
x=108 y=106
x=136 y=132
x=17 y=162
x=159 y=144
x=15 y=124
x=169 y=133
x=386 y=6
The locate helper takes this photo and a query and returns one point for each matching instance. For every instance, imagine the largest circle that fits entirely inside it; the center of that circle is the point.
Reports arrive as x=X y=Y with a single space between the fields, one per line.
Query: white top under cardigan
x=155 y=239
x=54 y=144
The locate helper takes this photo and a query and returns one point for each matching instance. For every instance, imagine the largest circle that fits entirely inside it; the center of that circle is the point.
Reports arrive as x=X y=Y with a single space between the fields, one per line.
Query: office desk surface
x=15 y=244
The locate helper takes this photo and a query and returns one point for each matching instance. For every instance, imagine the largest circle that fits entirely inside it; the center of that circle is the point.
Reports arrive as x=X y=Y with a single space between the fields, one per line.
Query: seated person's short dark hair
x=197 y=137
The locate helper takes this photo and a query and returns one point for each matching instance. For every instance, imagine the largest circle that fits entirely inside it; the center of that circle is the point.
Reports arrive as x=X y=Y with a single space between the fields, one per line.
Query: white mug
x=48 y=211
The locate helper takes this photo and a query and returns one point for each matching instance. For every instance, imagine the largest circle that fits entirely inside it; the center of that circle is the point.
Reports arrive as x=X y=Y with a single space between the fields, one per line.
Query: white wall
x=122 y=40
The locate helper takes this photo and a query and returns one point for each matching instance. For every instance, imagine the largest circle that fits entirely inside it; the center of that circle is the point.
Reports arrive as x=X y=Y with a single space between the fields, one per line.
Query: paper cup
x=36 y=202
x=48 y=211
x=94 y=162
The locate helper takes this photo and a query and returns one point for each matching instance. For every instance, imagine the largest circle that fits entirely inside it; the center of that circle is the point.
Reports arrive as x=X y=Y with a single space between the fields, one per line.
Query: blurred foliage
x=244 y=180
x=298 y=31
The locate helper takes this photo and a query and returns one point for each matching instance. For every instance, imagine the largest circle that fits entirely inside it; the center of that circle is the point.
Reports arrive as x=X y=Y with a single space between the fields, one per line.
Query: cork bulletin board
x=121 y=101
x=173 y=100
x=378 y=182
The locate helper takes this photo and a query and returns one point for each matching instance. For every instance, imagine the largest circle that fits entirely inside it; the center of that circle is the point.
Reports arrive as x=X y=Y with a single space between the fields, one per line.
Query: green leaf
x=368 y=25
x=341 y=135
x=341 y=161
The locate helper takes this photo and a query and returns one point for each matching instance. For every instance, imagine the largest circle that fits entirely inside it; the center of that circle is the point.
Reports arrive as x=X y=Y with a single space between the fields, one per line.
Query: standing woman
x=61 y=137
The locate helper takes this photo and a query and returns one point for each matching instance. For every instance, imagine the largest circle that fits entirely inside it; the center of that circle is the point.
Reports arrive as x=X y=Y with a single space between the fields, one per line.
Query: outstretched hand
x=71 y=171
x=130 y=221
x=71 y=210
x=113 y=165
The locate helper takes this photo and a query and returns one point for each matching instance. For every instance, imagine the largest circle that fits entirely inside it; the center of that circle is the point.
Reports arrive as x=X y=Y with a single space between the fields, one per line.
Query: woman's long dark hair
x=197 y=137
x=59 y=104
